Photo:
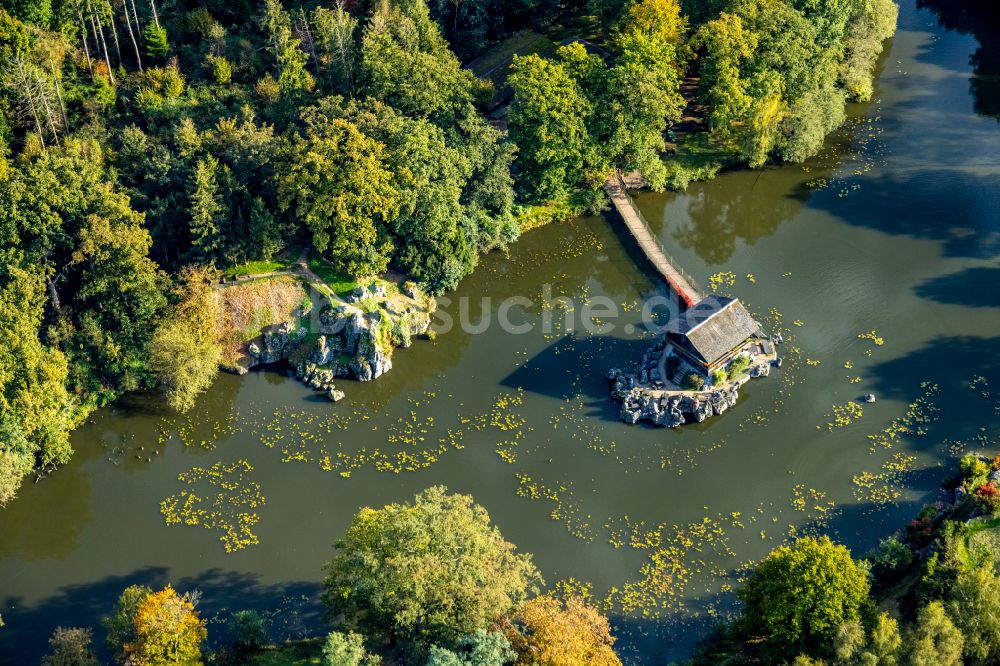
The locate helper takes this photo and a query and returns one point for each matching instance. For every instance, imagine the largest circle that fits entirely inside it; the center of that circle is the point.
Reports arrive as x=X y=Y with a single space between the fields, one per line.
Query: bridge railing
x=642 y=218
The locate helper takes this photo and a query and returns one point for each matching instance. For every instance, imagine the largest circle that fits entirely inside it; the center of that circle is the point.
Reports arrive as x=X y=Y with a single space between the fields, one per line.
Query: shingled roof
x=712 y=327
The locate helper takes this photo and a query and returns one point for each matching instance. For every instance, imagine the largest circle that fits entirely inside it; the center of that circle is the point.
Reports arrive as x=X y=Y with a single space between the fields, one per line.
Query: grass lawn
x=253 y=268
x=503 y=52
x=983 y=533
x=291 y=654
x=341 y=284
x=247 y=307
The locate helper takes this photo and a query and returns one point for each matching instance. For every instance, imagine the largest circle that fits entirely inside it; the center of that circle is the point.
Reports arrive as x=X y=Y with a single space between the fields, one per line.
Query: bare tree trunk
x=131 y=34
x=54 y=294
x=62 y=104
x=44 y=101
x=114 y=31
x=86 y=49
x=156 y=19
x=104 y=44
x=312 y=42
x=24 y=83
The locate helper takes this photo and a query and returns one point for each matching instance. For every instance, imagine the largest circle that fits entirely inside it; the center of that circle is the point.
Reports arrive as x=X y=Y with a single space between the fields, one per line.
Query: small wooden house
x=713 y=332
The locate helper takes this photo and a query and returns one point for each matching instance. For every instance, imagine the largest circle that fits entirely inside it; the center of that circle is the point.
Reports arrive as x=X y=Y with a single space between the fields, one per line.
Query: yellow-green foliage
x=184 y=352
x=429 y=572
x=168 y=630
x=799 y=595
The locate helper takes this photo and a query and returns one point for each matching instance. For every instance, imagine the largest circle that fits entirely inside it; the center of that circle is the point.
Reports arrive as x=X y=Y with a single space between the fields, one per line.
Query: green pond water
x=894 y=229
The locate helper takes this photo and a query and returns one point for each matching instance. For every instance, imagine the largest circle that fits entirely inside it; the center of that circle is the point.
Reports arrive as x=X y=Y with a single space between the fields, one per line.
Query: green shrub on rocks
x=739 y=365
x=693 y=382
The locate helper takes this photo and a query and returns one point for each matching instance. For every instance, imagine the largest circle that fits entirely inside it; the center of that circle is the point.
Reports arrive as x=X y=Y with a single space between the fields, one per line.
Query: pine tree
x=206 y=210
x=155 y=39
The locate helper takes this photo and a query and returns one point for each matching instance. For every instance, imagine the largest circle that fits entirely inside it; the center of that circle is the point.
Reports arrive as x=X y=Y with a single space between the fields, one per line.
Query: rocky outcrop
x=666 y=408
x=359 y=344
x=276 y=343
x=372 y=351
x=354 y=339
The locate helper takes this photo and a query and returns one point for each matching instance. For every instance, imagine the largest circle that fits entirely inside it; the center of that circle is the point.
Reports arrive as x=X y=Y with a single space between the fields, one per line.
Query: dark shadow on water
x=294 y=608
x=968 y=410
x=973 y=287
x=575 y=365
x=952 y=362
x=957 y=209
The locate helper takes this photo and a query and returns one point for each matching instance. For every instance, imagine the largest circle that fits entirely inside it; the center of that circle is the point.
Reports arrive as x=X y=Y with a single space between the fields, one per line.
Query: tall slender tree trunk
x=44 y=101
x=312 y=42
x=156 y=19
x=24 y=81
x=114 y=31
x=102 y=42
x=128 y=22
x=62 y=104
x=54 y=294
x=86 y=49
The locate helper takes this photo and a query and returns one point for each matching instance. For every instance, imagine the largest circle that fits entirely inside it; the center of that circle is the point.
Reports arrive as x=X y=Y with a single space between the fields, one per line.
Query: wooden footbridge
x=679 y=282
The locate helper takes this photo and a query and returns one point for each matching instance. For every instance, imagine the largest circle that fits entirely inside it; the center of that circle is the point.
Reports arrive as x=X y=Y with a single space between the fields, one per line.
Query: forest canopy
x=143 y=143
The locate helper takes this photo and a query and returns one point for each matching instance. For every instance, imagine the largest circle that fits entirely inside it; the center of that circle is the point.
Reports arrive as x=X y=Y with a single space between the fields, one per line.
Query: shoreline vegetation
x=927 y=594
x=144 y=148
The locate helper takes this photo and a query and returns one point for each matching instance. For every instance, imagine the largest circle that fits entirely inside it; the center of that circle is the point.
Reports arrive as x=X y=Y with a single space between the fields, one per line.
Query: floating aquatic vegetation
x=919 y=413
x=873 y=336
x=664 y=578
x=634 y=534
x=566 y=510
x=844 y=415
x=688 y=458
x=721 y=280
x=414 y=442
x=980 y=384
x=228 y=504
x=811 y=500
x=198 y=430
x=573 y=419
x=884 y=487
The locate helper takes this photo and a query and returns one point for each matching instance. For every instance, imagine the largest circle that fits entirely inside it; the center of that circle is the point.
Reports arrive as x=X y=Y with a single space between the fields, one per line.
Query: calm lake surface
x=895 y=230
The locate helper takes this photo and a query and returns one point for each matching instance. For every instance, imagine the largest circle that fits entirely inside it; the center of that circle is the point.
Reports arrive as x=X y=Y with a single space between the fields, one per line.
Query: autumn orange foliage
x=168 y=631
x=549 y=632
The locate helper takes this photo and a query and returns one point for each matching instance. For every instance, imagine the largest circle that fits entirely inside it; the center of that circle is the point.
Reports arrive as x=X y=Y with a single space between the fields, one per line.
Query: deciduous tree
x=70 y=647
x=800 y=594
x=167 y=631
x=550 y=632
x=548 y=122
x=934 y=640
x=337 y=185
x=427 y=573
x=184 y=352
